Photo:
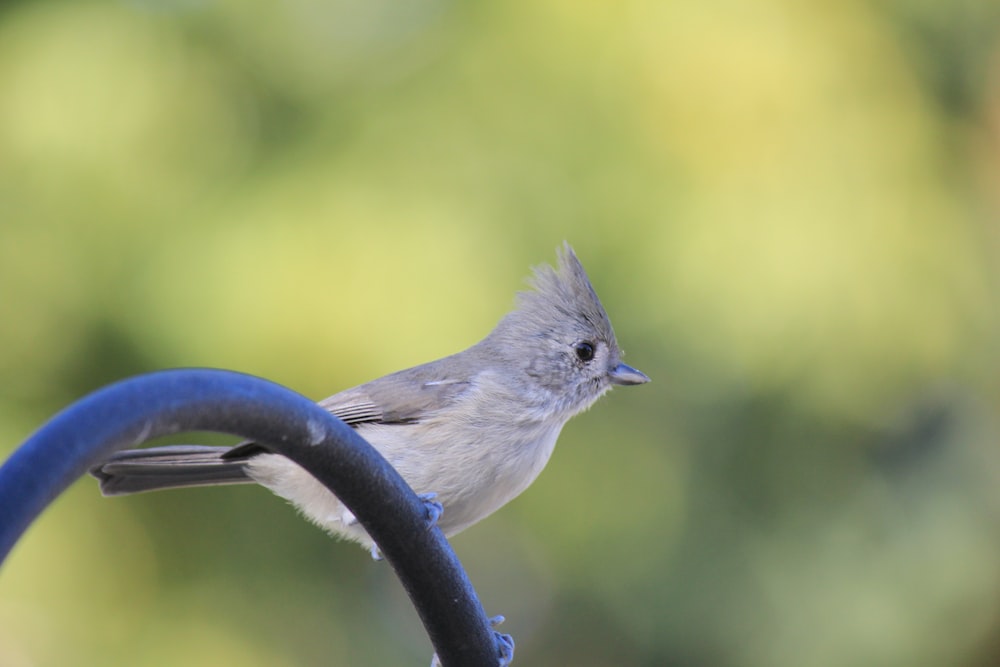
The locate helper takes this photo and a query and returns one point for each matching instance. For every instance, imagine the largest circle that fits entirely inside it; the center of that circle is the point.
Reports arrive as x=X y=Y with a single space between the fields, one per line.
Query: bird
x=471 y=430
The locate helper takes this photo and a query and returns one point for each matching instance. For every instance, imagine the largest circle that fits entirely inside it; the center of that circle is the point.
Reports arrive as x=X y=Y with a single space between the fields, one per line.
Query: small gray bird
x=474 y=429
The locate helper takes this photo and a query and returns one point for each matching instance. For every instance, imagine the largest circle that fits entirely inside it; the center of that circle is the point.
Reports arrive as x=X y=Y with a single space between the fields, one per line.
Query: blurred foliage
x=789 y=209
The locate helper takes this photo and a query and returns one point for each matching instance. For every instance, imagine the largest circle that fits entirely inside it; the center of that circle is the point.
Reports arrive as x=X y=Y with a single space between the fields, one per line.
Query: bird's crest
x=566 y=290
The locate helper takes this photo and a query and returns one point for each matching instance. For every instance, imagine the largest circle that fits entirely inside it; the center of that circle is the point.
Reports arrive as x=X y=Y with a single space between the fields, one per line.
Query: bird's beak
x=626 y=375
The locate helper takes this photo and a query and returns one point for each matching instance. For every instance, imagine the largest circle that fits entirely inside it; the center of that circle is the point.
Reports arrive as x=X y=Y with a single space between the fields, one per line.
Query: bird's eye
x=584 y=351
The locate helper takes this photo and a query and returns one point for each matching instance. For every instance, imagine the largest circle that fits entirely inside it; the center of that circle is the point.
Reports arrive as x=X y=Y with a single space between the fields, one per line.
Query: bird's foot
x=433 y=508
x=505 y=646
x=505 y=643
x=434 y=511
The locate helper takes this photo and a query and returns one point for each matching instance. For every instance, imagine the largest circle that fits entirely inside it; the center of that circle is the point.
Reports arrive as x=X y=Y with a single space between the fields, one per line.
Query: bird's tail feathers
x=170 y=467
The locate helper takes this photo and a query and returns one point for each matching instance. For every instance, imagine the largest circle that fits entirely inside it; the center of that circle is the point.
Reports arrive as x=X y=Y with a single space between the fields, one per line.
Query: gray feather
x=403 y=397
x=171 y=467
x=562 y=295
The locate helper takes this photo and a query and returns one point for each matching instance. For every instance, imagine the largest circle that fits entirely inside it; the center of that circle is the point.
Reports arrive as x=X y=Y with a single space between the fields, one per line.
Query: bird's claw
x=505 y=649
x=505 y=643
x=433 y=508
x=505 y=646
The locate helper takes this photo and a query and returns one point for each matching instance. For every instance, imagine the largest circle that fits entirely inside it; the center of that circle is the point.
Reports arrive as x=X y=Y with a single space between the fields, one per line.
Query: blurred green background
x=790 y=211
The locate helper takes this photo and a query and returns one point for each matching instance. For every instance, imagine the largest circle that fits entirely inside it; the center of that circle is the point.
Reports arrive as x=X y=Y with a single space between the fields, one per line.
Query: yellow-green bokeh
x=788 y=209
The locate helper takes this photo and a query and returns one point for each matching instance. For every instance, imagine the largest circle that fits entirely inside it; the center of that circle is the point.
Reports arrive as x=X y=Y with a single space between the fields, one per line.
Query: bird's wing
x=400 y=398
x=404 y=397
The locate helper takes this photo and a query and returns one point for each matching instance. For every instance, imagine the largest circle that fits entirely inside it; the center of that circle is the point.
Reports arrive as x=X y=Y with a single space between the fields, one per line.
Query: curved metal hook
x=133 y=411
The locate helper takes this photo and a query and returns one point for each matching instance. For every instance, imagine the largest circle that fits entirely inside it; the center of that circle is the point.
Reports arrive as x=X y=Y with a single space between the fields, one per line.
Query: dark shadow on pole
x=131 y=412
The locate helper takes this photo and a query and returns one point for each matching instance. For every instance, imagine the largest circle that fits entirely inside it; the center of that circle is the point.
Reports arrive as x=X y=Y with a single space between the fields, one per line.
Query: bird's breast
x=474 y=471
